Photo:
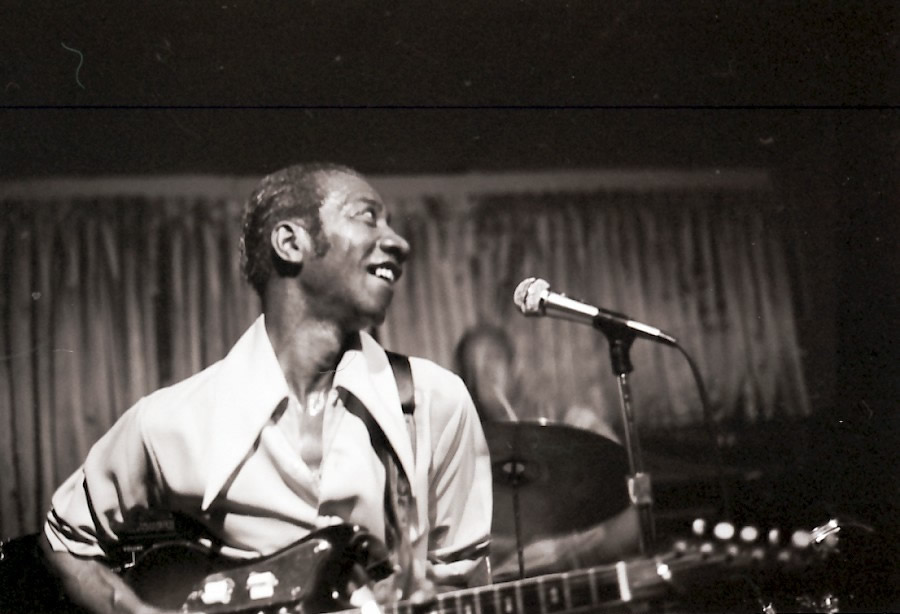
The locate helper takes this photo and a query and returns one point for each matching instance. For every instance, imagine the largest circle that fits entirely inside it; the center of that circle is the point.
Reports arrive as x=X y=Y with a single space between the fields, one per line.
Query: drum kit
x=551 y=480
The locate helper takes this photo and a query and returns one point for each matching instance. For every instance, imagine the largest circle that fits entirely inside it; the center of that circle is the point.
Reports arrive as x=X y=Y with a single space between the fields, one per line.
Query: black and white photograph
x=507 y=307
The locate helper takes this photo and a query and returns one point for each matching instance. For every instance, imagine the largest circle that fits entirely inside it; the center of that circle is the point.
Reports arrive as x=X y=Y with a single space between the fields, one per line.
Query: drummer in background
x=485 y=359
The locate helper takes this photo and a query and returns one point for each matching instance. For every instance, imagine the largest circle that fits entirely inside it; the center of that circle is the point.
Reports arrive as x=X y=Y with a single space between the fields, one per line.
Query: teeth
x=384 y=273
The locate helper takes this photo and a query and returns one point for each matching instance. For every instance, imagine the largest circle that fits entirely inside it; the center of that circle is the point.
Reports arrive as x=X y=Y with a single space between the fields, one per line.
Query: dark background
x=808 y=91
x=237 y=87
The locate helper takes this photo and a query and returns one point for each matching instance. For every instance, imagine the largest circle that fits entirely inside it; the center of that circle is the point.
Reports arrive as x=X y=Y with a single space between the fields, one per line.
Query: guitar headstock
x=799 y=569
x=753 y=546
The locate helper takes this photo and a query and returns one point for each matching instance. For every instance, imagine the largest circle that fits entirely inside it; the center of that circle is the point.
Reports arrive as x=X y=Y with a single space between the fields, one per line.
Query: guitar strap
x=398 y=499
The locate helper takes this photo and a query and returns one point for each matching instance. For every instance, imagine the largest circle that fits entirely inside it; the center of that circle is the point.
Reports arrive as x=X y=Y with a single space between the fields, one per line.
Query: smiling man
x=303 y=424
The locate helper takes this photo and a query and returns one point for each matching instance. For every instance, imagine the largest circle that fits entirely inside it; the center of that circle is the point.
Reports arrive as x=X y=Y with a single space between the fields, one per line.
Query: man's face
x=353 y=282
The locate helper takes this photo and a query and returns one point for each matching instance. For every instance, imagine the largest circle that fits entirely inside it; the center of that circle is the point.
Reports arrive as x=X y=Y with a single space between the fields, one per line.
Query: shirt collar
x=250 y=385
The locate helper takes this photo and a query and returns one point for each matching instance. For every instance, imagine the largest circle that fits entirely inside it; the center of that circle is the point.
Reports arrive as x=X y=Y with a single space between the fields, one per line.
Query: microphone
x=534 y=298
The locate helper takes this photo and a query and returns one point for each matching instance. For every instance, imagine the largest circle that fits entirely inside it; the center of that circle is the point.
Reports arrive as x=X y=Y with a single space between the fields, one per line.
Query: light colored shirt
x=221 y=447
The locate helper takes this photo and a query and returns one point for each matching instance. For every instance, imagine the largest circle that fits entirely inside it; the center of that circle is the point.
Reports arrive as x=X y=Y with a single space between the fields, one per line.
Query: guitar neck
x=555 y=593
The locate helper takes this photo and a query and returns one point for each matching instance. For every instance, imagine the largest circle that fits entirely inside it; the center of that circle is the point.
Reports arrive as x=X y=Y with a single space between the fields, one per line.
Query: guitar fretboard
x=557 y=593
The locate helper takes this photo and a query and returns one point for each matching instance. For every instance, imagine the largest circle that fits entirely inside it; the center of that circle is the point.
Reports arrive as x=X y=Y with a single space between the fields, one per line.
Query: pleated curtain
x=112 y=288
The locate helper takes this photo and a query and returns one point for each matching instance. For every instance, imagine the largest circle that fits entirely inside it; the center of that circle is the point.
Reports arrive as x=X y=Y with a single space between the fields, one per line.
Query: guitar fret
x=530 y=596
x=488 y=601
x=442 y=603
x=607 y=590
x=567 y=589
x=541 y=596
x=580 y=590
x=466 y=604
x=552 y=590
x=508 y=602
x=593 y=584
x=445 y=603
x=477 y=598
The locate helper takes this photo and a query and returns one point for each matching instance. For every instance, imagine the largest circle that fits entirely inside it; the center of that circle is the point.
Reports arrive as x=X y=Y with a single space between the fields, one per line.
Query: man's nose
x=392 y=243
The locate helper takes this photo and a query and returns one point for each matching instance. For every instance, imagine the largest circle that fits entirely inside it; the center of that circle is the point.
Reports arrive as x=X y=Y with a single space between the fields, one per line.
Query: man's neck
x=307 y=349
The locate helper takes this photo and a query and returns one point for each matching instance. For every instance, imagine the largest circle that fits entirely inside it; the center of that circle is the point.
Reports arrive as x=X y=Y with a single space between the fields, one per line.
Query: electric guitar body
x=315 y=574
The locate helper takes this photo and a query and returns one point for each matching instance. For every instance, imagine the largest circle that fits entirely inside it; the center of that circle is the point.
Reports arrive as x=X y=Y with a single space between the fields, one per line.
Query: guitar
x=316 y=574
x=313 y=574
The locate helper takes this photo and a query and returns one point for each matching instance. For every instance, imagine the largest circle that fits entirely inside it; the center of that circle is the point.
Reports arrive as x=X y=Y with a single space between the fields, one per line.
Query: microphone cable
x=712 y=432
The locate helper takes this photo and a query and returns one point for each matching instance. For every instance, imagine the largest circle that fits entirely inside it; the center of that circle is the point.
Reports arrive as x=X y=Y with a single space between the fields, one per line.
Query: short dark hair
x=294 y=191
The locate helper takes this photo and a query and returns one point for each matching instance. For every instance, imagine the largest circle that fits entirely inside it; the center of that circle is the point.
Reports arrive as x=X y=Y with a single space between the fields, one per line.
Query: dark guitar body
x=311 y=575
x=166 y=573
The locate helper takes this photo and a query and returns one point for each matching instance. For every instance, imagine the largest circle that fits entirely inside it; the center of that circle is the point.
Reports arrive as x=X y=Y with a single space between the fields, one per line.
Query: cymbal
x=565 y=478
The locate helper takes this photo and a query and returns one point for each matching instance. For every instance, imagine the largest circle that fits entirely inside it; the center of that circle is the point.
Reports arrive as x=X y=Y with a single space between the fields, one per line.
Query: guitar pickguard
x=311 y=575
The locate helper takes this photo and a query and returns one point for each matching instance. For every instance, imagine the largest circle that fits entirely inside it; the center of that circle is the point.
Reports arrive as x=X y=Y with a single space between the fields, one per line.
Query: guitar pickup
x=261 y=585
x=217 y=591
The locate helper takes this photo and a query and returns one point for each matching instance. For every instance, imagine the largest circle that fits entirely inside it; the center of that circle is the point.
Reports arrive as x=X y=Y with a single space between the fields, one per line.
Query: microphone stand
x=639 y=488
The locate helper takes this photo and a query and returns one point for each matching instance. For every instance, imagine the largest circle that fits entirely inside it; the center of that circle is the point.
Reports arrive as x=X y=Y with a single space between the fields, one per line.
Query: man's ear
x=291 y=242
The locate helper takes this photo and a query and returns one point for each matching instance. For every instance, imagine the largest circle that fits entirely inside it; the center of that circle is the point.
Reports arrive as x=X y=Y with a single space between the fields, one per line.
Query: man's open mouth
x=387 y=271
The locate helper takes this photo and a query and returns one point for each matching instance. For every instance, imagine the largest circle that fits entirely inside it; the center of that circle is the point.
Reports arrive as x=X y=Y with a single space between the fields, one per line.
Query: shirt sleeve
x=461 y=496
x=91 y=506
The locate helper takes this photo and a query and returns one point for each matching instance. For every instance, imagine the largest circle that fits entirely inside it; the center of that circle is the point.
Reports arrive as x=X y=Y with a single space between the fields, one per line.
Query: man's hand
x=422 y=586
x=541 y=557
x=611 y=540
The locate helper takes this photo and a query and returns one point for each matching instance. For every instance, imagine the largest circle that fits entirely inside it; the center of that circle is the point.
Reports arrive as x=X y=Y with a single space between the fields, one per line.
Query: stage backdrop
x=114 y=287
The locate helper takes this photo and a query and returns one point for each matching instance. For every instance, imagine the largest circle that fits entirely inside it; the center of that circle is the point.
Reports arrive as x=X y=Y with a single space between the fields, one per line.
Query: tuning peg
x=800 y=539
x=822 y=532
x=724 y=531
x=749 y=534
x=698 y=527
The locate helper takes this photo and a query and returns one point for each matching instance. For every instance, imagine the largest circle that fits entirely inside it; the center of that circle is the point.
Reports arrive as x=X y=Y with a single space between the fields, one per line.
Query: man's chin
x=369 y=318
